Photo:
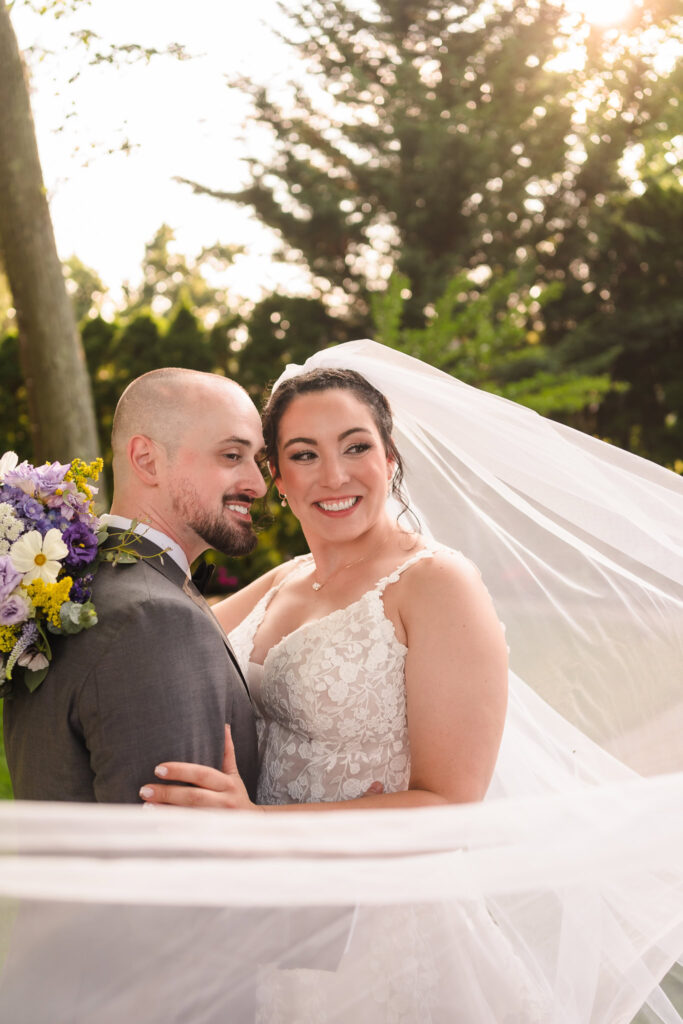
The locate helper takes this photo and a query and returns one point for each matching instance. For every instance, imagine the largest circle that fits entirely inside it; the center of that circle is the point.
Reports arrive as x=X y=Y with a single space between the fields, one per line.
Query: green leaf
x=76 y=617
x=32 y=680
x=121 y=557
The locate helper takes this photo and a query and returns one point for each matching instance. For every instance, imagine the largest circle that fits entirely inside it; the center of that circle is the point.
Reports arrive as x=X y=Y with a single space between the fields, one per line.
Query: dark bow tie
x=201 y=577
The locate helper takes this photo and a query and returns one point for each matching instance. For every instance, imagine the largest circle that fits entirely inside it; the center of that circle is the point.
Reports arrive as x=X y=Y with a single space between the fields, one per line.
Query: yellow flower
x=38 y=557
x=81 y=471
x=49 y=597
x=8 y=637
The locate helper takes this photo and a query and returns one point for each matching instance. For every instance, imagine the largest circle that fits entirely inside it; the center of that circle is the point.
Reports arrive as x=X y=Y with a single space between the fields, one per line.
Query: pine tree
x=430 y=138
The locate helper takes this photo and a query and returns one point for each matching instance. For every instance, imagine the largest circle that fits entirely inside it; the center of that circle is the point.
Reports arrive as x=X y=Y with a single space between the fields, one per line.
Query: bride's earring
x=284 y=500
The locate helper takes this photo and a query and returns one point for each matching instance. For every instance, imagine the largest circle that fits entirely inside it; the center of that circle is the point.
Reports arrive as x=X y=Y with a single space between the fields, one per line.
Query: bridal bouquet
x=49 y=551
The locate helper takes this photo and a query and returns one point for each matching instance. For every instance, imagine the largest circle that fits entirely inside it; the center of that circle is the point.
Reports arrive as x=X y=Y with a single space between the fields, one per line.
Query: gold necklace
x=318 y=586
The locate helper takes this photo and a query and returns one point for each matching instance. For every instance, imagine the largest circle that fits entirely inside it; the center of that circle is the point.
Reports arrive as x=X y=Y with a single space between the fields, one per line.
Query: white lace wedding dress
x=332 y=719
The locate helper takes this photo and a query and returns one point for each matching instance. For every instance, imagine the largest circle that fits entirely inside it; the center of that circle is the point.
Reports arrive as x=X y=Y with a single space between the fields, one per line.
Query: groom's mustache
x=244 y=499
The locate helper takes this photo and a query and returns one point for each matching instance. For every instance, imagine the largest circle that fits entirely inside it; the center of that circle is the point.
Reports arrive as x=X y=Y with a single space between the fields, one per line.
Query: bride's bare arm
x=456 y=683
x=234 y=609
x=456 y=679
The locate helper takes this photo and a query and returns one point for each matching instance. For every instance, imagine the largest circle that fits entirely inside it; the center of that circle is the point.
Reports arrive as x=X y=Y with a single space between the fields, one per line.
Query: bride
x=379 y=659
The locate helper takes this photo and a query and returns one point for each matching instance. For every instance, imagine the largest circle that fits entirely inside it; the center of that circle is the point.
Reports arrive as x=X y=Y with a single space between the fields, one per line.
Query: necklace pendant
x=316 y=585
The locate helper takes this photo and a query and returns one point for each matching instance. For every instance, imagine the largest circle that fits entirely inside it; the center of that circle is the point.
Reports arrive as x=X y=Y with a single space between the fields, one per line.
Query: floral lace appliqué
x=332 y=701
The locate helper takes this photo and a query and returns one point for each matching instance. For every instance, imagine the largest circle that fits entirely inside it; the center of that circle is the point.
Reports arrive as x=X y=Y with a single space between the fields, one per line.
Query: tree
x=169 y=278
x=436 y=139
x=431 y=138
x=484 y=335
x=61 y=408
x=283 y=329
x=632 y=322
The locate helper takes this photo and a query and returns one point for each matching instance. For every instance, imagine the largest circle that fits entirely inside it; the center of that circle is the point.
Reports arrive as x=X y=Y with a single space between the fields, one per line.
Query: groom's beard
x=224 y=534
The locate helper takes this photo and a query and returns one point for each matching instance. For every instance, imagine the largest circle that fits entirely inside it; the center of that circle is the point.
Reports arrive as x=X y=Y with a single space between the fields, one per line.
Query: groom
x=155 y=679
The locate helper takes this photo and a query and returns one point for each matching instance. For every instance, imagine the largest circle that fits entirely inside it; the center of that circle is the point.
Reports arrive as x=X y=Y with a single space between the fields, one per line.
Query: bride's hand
x=206 y=787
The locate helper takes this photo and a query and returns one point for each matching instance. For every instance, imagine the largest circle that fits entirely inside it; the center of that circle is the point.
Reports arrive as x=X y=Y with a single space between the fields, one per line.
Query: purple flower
x=14 y=609
x=80 y=591
x=81 y=542
x=41 y=480
x=9 y=577
x=29 y=507
x=24 y=477
x=50 y=478
x=66 y=502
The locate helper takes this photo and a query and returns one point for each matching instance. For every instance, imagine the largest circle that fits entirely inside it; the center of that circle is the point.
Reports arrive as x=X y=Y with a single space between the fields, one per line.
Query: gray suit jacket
x=155 y=680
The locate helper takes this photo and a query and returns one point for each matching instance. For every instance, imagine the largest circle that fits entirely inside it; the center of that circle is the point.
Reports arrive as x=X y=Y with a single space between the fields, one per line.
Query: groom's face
x=214 y=475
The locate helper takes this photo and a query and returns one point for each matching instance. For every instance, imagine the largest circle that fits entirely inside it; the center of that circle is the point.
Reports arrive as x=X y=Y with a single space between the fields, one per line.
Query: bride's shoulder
x=432 y=557
x=439 y=572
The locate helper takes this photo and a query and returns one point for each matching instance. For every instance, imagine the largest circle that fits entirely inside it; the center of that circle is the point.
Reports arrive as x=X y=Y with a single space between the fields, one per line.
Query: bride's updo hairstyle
x=325 y=379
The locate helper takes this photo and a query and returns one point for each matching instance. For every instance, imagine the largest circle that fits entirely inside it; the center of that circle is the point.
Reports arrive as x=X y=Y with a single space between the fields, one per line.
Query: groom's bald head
x=186 y=459
x=162 y=405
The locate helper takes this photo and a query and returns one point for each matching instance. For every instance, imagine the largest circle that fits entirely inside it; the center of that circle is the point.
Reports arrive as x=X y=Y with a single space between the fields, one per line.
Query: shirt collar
x=149 y=533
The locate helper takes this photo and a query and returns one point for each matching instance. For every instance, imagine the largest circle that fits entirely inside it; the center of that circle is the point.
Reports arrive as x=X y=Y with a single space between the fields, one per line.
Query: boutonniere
x=50 y=549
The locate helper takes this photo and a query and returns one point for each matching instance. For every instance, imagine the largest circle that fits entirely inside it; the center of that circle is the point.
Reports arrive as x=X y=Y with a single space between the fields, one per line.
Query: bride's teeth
x=337 y=506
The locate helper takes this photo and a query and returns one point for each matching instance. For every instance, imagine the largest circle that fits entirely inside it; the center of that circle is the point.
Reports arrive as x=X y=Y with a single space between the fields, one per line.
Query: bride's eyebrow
x=310 y=440
x=299 y=440
x=353 y=430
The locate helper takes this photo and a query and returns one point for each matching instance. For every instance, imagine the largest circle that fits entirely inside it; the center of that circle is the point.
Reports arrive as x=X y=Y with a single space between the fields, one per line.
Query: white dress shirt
x=149 y=533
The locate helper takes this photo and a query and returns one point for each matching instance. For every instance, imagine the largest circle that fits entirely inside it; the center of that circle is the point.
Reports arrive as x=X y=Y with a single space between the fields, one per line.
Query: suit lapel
x=168 y=567
x=194 y=595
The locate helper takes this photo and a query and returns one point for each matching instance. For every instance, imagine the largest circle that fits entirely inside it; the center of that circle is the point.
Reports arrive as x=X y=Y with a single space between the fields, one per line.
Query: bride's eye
x=302 y=456
x=358 y=449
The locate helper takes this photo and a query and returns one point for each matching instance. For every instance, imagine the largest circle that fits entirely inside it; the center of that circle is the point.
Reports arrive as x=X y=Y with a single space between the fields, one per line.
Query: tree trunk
x=52 y=359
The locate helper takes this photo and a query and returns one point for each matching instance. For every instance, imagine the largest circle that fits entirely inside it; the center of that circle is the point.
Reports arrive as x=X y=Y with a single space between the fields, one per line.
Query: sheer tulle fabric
x=558 y=899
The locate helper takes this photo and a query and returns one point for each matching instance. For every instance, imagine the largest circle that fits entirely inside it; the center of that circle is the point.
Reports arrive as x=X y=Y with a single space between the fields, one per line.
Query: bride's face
x=333 y=465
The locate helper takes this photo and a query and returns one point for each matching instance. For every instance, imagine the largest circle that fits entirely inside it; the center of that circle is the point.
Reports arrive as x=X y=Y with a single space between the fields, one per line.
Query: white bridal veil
x=568 y=876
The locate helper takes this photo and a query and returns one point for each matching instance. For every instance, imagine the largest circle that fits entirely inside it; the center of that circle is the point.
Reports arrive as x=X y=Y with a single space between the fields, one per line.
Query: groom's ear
x=144 y=457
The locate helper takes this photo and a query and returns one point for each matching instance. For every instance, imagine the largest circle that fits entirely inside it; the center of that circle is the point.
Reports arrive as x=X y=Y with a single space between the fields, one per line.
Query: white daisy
x=8 y=462
x=38 y=557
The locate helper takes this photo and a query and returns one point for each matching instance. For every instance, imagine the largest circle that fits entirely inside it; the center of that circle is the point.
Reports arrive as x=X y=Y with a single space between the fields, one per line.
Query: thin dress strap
x=393 y=576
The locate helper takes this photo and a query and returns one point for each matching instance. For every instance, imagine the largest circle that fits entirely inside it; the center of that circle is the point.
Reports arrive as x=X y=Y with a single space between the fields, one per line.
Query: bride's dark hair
x=323 y=380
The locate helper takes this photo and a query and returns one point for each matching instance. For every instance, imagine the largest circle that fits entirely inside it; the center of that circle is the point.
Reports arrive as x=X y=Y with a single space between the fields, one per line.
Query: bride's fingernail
x=161 y=770
x=146 y=792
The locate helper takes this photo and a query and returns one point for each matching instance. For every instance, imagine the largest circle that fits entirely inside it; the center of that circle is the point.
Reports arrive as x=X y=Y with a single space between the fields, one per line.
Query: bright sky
x=181 y=118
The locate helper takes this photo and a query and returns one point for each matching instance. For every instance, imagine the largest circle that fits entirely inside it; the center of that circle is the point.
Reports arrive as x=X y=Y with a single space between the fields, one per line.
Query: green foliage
x=440 y=137
x=283 y=329
x=169 y=280
x=484 y=335
x=85 y=288
x=5 y=784
x=439 y=140
x=15 y=432
x=630 y=320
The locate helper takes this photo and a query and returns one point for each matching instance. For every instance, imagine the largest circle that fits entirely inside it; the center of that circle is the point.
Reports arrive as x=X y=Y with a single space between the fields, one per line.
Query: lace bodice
x=331 y=701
